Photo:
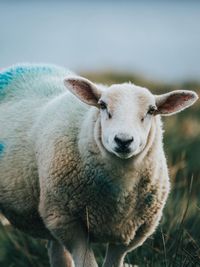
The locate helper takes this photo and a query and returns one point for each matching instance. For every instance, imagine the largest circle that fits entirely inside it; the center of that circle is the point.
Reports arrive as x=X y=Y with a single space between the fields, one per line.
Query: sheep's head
x=127 y=112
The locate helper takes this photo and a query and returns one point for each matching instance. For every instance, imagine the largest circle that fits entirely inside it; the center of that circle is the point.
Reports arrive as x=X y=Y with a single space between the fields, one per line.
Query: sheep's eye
x=109 y=115
x=102 y=105
x=151 y=110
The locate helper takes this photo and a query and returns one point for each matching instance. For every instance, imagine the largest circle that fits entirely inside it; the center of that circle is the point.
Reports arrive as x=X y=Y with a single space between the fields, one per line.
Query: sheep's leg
x=114 y=256
x=74 y=239
x=69 y=232
x=81 y=250
x=58 y=255
x=115 y=253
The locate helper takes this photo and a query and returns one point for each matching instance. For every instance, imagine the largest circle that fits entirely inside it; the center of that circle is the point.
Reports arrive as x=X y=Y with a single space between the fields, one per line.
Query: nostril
x=128 y=141
x=118 y=140
x=122 y=142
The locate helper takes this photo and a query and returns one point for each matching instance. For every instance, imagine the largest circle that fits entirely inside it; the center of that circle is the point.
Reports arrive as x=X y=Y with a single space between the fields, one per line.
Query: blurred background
x=151 y=43
x=160 y=39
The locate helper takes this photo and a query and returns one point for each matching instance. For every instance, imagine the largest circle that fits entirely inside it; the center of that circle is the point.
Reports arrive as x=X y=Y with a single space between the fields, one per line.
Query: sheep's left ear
x=84 y=89
x=175 y=101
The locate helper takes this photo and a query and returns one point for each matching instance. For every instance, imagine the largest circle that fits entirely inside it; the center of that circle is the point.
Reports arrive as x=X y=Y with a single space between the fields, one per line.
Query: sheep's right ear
x=84 y=89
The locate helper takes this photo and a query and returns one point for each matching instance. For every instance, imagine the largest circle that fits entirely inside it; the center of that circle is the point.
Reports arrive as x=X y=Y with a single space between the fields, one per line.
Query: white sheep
x=76 y=173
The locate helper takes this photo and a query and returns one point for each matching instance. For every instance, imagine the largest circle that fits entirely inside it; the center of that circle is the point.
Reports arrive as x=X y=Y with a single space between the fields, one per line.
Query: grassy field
x=176 y=243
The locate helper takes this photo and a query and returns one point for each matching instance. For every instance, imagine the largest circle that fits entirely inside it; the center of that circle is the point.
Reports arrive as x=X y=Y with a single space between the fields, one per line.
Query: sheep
x=82 y=162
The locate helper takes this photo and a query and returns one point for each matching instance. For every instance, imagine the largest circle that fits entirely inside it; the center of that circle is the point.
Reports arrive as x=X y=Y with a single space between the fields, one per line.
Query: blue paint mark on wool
x=30 y=69
x=20 y=71
x=5 y=79
x=2 y=148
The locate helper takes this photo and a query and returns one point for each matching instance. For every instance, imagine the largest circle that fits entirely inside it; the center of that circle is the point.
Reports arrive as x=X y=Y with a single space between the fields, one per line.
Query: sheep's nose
x=123 y=142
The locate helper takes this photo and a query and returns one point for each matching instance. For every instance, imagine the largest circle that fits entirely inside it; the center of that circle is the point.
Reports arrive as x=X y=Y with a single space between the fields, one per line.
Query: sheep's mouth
x=126 y=153
x=122 y=150
x=123 y=155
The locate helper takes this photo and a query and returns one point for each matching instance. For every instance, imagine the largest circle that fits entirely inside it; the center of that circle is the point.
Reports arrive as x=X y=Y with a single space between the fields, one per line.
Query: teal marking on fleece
x=21 y=71
x=2 y=148
x=5 y=79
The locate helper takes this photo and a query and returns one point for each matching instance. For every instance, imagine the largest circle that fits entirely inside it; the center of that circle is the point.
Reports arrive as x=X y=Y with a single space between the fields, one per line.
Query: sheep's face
x=127 y=112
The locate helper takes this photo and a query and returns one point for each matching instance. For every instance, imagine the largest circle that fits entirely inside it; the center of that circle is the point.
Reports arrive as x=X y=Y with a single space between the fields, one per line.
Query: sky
x=157 y=39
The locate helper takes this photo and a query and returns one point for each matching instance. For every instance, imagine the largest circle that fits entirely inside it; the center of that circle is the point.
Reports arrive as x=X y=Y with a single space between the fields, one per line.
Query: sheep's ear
x=175 y=101
x=84 y=89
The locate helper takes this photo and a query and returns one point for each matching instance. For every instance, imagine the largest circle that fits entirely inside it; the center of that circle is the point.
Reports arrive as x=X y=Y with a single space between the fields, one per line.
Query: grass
x=176 y=243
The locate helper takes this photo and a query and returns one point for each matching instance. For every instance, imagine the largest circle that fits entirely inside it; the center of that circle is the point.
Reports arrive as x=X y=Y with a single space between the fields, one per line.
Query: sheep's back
x=28 y=80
